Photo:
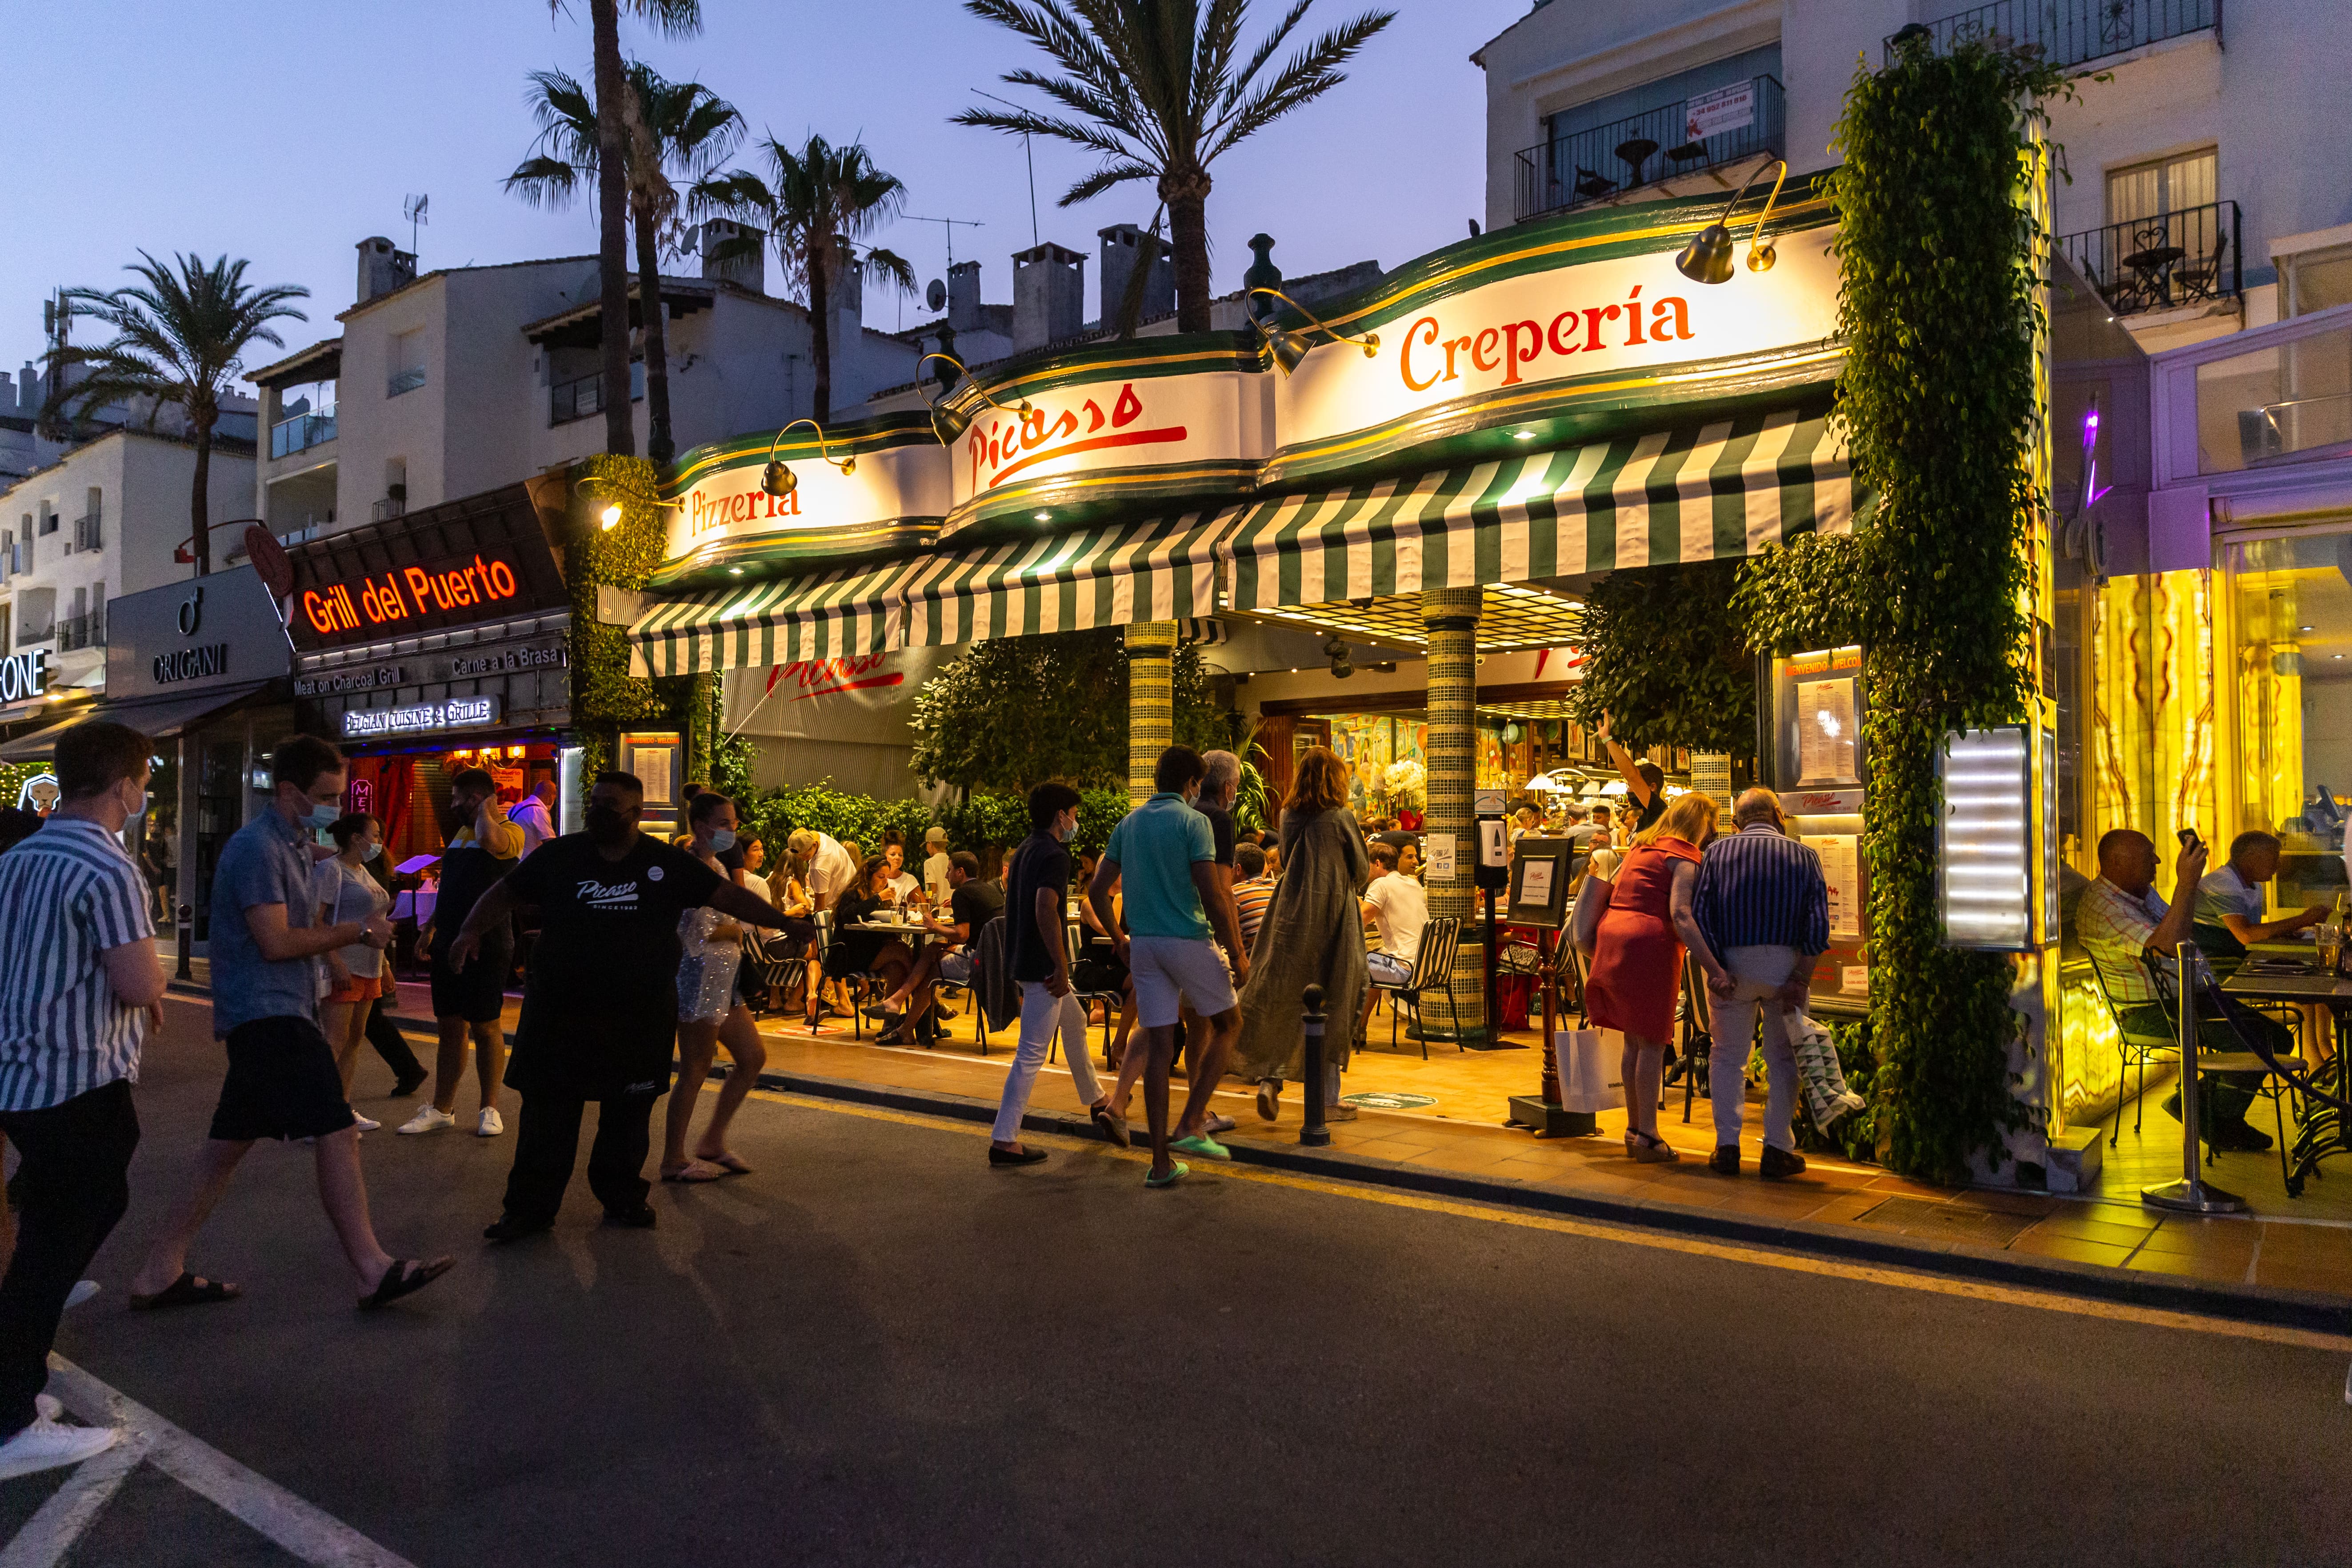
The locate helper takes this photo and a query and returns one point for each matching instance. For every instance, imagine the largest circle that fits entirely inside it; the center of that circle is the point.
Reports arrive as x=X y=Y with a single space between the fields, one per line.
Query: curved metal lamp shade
x=947 y=423
x=1707 y=257
x=778 y=479
x=1289 y=352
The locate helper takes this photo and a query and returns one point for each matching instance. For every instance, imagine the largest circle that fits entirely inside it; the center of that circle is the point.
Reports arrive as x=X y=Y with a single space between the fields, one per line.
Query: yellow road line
x=1729 y=1252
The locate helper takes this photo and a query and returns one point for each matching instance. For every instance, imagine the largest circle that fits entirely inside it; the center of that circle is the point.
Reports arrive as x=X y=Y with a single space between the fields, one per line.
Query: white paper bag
x=1590 y=1072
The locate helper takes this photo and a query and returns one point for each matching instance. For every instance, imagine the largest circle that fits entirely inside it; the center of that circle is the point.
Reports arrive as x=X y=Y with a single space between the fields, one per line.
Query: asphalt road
x=877 y=1350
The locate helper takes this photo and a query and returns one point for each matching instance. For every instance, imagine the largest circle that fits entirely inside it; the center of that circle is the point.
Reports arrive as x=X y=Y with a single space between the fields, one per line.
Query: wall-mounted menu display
x=1818 y=709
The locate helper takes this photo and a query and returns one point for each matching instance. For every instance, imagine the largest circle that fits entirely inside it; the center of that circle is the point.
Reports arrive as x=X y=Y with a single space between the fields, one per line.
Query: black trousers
x=547 y=1144
x=2228 y=1095
x=392 y=1044
x=72 y=1186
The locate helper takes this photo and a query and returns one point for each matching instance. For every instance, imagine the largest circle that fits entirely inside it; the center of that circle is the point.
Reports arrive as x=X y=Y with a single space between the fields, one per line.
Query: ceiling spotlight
x=734 y=570
x=611 y=518
x=1523 y=434
x=2302 y=628
x=1707 y=257
x=1045 y=517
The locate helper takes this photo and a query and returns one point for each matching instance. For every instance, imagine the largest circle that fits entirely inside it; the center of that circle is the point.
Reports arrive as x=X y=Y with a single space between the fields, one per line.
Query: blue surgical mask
x=372 y=851
x=722 y=839
x=324 y=816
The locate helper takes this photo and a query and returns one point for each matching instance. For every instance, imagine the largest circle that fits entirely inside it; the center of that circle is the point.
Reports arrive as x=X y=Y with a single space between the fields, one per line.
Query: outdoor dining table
x=2274 y=973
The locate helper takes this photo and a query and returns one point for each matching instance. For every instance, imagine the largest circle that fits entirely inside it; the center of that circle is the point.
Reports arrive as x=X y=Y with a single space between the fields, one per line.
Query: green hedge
x=977 y=822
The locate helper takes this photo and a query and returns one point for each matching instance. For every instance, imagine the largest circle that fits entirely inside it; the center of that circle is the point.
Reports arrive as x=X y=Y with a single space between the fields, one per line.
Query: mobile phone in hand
x=2189 y=839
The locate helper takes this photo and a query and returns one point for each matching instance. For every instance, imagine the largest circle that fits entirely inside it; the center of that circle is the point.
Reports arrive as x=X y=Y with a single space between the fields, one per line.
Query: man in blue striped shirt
x=1763 y=906
x=79 y=986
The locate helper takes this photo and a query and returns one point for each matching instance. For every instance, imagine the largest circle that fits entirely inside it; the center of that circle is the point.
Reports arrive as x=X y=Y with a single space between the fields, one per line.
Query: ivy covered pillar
x=1449 y=616
x=1151 y=702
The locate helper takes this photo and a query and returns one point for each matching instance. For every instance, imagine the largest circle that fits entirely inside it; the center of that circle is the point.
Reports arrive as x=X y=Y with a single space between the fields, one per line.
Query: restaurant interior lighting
x=1707 y=257
x=1523 y=434
x=778 y=479
x=1288 y=350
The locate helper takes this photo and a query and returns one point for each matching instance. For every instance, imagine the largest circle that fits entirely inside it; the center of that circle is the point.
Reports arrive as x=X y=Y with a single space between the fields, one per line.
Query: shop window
x=2290 y=676
x=2162 y=185
x=2288 y=403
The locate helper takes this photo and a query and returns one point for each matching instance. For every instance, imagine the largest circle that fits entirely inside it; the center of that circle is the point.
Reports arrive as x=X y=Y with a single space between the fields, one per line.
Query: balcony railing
x=388 y=508
x=2162 y=263
x=1586 y=166
x=2072 y=32
x=88 y=534
x=82 y=631
x=403 y=381
x=584 y=396
x=304 y=431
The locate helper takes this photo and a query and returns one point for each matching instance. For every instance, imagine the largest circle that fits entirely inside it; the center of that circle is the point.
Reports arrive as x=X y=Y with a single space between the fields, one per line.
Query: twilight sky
x=286 y=132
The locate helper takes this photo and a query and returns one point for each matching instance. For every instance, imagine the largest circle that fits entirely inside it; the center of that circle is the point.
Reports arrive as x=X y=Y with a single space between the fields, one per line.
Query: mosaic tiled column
x=1151 y=703
x=1451 y=618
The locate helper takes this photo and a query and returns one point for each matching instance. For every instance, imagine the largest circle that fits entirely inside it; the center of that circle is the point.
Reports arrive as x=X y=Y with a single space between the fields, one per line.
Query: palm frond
x=1311 y=73
x=1103 y=179
x=670 y=19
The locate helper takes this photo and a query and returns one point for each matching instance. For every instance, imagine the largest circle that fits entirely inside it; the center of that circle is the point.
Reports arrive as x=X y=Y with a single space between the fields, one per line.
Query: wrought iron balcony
x=82 y=631
x=2072 y=32
x=2162 y=263
x=301 y=433
x=1588 y=166
x=584 y=396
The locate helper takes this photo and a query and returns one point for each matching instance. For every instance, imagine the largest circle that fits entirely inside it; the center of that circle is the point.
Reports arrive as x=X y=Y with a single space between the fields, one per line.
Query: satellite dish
x=936 y=295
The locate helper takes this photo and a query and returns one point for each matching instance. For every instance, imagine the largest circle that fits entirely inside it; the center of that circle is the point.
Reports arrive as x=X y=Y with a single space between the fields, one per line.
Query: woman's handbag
x=1591 y=903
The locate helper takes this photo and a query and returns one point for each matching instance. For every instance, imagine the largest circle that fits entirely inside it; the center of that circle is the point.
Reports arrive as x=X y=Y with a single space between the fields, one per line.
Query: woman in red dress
x=1637 y=963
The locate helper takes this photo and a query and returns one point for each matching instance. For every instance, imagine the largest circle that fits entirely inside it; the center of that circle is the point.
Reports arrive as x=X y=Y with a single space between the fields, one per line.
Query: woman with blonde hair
x=1313 y=934
x=1637 y=963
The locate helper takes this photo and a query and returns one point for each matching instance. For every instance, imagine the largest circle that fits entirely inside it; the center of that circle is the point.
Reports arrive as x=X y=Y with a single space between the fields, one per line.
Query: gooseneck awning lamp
x=1707 y=258
x=948 y=423
x=1288 y=352
x=778 y=479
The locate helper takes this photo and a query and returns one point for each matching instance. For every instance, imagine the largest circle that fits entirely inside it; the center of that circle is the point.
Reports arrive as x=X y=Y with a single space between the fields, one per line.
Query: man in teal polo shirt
x=1166 y=854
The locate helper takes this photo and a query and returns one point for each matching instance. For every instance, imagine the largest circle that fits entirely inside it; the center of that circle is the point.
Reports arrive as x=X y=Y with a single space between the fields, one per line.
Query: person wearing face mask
x=267 y=940
x=347 y=892
x=483 y=846
x=710 y=1012
x=600 y=1007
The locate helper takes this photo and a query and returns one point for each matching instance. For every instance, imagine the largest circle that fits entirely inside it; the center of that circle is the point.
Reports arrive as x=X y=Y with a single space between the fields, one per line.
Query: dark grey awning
x=154 y=717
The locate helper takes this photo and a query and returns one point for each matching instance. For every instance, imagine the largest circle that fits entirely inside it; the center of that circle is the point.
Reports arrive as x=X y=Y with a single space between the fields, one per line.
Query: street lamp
x=779 y=480
x=1287 y=351
x=1707 y=258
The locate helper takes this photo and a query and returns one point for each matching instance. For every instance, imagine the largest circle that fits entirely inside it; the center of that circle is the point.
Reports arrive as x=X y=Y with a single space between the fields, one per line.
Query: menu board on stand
x=1816 y=760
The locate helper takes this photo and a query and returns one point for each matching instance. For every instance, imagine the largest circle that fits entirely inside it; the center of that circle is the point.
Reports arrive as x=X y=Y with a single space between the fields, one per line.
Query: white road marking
x=269 y=1509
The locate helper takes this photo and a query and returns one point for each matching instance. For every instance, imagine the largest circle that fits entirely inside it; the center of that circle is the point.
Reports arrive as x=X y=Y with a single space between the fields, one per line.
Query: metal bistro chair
x=858 y=982
x=2244 y=1059
x=2137 y=1048
x=969 y=988
x=1074 y=942
x=1432 y=969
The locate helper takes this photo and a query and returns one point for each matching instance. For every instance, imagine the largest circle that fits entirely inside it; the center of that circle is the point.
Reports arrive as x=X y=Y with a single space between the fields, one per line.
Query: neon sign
x=438 y=591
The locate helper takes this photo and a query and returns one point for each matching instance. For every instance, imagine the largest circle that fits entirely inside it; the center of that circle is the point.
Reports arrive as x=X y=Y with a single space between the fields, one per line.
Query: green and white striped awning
x=835 y=614
x=1702 y=493
x=1163 y=570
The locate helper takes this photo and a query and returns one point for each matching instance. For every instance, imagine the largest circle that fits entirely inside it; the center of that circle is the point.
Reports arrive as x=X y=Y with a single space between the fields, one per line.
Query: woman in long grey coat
x=1312 y=935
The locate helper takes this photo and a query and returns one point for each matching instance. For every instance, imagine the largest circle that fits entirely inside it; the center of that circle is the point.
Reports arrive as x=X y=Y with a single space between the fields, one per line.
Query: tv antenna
x=1027 y=153
x=950 y=224
x=413 y=209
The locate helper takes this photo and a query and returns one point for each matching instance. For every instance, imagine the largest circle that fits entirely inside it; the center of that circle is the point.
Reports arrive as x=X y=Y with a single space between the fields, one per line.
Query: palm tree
x=1155 y=88
x=681 y=126
x=179 y=338
x=673 y=18
x=811 y=195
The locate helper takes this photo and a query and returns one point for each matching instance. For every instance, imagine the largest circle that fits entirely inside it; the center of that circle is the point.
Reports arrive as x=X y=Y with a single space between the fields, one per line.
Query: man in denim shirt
x=282 y=1078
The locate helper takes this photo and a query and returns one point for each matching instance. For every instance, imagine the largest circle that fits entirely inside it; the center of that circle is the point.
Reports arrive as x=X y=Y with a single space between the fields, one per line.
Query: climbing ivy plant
x=605 y=698
x=1940 y=307
x=1666 y=660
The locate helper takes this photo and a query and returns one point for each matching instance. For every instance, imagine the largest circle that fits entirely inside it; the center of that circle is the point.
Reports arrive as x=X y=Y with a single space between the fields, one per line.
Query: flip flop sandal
x=693 y=1171
x=729 y=1164
x=1177 y=1171
x=186 y=1292
x=406 y=1277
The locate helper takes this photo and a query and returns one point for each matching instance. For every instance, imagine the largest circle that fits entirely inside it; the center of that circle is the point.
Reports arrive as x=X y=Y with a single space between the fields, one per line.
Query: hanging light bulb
x=611 y=518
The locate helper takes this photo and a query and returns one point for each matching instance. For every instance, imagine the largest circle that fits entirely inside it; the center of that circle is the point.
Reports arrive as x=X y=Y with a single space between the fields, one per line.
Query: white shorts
x=1389 y=969
x=1169 y=971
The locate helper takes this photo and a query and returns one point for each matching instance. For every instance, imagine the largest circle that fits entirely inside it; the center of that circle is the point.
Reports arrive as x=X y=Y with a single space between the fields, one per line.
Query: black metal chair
x=1074 y=934
x=1432 y=969
x=1696 y=1048
x=2244 y=1060
x=2137 y=1050
x=969 y=988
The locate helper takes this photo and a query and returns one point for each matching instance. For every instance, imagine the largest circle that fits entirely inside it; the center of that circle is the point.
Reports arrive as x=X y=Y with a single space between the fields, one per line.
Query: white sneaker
x=428 y=1119
x=364 y=1123
x=46 y=1446
x=82 y=1291
x=48 y=1407
x=489 y=1126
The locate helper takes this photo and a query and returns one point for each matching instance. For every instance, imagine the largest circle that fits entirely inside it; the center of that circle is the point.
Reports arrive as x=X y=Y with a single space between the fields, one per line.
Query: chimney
x=848 y=284
x=746 y=266
x=963 y=297
x=383 y=268
x=1123 y=245
x=1049 y=296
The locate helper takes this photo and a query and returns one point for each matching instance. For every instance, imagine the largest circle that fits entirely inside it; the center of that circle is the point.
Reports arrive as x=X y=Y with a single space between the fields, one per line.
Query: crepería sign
x=424 y=718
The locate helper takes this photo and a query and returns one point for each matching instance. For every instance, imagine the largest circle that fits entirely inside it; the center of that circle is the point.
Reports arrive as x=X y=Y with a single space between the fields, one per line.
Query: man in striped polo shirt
x=79 y=986
x=1763 y=906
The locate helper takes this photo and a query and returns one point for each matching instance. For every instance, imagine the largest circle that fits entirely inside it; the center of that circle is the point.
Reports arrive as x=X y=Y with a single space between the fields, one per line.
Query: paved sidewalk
x=2268 y=1268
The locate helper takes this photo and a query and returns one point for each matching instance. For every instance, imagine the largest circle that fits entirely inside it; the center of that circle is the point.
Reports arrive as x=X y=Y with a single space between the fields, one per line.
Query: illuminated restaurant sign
x=421 y=719
x=397 y=598
x=718 y=513
x=472 y=563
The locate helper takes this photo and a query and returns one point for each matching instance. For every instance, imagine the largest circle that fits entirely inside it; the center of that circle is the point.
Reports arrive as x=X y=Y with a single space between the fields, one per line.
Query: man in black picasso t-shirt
x=600 y=1004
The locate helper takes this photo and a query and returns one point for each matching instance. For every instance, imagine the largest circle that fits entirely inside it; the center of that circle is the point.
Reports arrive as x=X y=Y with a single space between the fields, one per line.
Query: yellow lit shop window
x=2291 y=682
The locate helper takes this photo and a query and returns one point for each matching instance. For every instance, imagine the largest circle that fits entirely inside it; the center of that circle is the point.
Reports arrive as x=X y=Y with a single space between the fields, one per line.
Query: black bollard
x=1314 y=1133
x=187 y=933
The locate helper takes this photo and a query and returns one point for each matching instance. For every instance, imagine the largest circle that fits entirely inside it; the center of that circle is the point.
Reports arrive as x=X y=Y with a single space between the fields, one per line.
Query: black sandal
x=187 y=1291
x=406 y=1277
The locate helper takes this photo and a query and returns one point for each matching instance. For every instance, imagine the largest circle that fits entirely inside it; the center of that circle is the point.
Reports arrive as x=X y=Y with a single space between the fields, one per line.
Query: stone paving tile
x=2204 y=1238
x=2122 y=1235
x=2071 y=1248
x=1468 y=1162
x=2288 y=1277
x=2223 y=1271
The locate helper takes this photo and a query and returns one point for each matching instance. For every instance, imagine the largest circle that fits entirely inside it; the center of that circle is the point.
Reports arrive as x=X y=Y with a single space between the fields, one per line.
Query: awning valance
x=1703 y=493
x=158 y=716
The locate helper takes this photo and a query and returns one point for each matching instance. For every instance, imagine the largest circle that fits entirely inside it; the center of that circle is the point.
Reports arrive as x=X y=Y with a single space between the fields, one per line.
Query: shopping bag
x=1826 y=1096
x=1589 y=1071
